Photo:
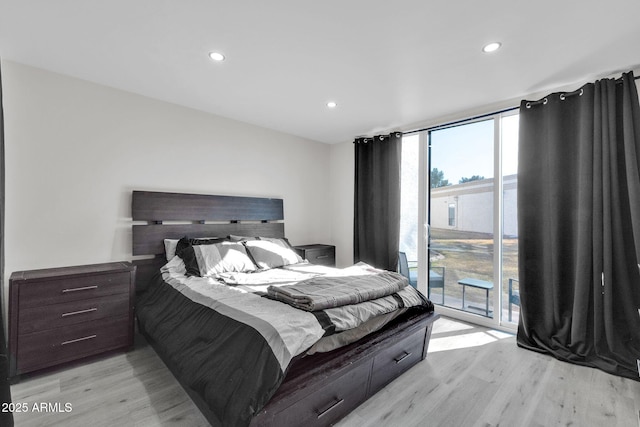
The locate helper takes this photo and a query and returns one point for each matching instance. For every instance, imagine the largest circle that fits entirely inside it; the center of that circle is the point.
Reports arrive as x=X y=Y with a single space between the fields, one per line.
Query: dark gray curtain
x=6 y=418
x=579 y=226
x=377 y=200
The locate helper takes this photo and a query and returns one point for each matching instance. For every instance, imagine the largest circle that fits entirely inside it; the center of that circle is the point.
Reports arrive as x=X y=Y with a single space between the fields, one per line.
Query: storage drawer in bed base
x=315 y=390
x=328 y=404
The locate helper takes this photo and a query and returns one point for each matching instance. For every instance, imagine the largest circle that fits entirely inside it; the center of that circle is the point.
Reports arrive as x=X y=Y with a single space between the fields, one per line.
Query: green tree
x=473 y=178
x=437 y=179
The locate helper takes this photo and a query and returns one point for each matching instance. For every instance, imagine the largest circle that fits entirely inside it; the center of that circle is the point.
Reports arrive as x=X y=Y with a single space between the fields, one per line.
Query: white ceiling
x=388 y=64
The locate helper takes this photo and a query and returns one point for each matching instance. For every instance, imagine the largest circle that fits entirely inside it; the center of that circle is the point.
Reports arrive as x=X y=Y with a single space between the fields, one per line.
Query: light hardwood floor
x=472 y=376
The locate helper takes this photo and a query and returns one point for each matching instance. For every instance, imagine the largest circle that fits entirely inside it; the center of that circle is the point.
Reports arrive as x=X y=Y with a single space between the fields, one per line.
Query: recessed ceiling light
x=216 y=56
x=491 y=47
x=331 y=104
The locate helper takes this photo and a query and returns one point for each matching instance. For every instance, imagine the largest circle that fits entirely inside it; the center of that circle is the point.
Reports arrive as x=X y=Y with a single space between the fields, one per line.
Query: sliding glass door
x=461 y=216
x=468 y=261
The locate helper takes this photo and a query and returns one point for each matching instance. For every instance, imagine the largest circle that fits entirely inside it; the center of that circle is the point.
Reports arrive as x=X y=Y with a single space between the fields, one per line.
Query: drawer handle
x=331 y=407
x=322 y=256
x=79 y=339
x=84 y=288
x=401 y=358
x=73 y=313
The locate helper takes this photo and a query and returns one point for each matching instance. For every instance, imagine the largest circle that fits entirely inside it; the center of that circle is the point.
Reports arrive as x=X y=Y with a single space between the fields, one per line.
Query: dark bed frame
x=319 y=389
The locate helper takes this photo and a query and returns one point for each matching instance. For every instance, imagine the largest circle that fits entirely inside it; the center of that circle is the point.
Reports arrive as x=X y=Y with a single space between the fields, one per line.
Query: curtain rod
x=566 y=95
x=482 y=116
x=457 y=122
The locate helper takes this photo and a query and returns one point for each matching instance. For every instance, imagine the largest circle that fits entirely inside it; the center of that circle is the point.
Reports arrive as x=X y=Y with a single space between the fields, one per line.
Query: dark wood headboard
x=174 y=215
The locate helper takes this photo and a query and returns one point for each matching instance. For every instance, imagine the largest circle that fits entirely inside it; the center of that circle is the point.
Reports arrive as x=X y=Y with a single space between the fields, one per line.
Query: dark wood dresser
x=58 y=315
x=318 y=254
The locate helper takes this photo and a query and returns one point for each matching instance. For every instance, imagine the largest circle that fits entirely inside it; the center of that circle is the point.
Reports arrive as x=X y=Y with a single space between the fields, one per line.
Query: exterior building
x=469 y=206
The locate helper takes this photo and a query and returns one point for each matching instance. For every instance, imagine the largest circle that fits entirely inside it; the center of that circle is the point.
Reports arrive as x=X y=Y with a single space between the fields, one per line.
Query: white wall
x=75 y=150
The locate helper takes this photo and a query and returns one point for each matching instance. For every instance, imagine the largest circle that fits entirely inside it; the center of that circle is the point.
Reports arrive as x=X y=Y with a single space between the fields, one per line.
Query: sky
x=467 y=150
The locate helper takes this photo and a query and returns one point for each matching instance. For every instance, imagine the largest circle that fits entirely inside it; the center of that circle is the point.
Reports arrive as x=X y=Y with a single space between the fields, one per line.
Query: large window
x=469 y=202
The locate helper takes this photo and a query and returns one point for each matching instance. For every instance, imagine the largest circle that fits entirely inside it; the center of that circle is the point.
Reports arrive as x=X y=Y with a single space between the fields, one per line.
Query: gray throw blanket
x=322 y=292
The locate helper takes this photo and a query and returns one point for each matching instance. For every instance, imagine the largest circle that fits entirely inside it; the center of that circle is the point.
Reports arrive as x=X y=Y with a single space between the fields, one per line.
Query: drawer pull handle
x=84 y=288
x=73 y=313
x=401 y=358
x=322 y=256
x=79 y=339
x=330 y=408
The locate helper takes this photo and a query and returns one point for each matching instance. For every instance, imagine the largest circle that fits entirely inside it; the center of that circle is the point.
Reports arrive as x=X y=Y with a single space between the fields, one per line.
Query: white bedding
x=289 y=331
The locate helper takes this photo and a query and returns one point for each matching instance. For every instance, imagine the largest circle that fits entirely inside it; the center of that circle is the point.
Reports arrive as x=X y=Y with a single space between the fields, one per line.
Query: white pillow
x=222 y=257
x=170 y=248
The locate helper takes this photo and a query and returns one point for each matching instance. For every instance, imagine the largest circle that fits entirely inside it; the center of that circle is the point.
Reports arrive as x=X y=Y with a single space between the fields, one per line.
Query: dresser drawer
x=318 y=254
x=47 y=348
x=393 y=361
x=36 y=319
x=34 y=294
x=329 y=403
x=325 y=256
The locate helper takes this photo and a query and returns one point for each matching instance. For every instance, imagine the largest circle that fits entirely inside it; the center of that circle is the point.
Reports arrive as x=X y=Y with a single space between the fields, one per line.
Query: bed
x=218 y=339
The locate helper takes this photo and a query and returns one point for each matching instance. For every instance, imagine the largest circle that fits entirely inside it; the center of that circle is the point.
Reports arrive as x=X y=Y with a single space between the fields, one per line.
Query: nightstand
x=57 y=315
x=318 y=254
